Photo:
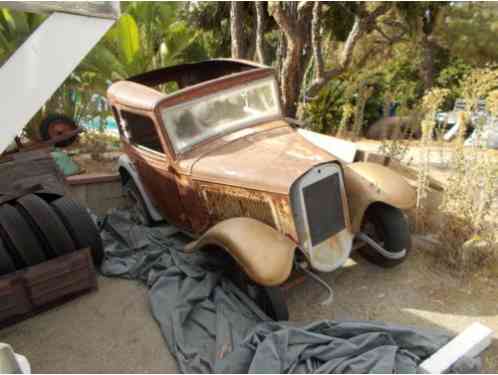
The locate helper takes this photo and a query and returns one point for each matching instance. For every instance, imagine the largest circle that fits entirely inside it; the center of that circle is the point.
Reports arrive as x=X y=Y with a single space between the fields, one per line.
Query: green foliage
x=470 y=32
x=324 y=113
x=15 y=27
x=147 y=36
x=212 y=20
x=450 y=77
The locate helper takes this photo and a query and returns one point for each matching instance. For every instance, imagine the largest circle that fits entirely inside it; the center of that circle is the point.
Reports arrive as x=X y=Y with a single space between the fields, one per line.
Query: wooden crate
x=27 y=292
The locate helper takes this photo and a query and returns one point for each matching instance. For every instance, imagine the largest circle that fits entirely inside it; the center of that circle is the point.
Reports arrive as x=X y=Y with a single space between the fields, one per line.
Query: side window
x=140 y=130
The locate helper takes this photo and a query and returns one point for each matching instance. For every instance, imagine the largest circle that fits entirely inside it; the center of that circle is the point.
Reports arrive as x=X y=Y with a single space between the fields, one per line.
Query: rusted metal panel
x=140 y=96
x=190 y=74
x=160 y=183
x=267 y=161
x=193 y=204
x=206 y=88
x=224 y=202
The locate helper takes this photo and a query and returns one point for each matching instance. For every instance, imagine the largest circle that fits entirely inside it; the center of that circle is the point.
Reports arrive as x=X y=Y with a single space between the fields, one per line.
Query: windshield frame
x=203 y=91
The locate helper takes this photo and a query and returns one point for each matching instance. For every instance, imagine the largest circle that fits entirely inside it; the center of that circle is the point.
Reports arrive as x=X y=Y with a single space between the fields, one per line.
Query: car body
x=218 y=159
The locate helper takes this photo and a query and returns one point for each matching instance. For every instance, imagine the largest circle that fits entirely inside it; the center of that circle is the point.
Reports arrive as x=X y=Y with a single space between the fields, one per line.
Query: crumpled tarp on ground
x=211 y=326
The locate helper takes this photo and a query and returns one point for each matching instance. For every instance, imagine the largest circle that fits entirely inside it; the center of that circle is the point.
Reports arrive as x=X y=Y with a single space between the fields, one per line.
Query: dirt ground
x=112 y=330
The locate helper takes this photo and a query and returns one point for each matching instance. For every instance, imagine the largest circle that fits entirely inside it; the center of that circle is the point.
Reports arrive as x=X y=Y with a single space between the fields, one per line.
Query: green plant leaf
x=129 y=38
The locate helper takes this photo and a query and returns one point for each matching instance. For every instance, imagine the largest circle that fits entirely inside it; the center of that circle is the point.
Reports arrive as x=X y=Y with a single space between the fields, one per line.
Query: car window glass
x=140 y=130
x=192 y=122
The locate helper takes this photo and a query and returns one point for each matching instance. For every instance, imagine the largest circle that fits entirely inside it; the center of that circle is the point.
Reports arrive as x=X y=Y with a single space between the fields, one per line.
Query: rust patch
x=227 y=202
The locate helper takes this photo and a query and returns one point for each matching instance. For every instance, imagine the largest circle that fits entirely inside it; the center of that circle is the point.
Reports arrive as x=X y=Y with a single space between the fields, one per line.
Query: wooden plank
x=31 y=168
x=472 y=341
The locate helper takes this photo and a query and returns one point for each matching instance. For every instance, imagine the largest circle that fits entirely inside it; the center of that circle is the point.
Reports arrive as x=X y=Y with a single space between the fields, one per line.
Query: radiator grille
x=324 y=208
x=224 y=205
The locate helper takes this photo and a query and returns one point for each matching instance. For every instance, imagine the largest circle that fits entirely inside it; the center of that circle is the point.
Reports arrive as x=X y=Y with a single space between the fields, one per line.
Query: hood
x=270 y=161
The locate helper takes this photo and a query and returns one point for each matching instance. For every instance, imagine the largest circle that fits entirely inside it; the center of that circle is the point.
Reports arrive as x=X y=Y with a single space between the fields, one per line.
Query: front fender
x=367 y=183
x=263 y=253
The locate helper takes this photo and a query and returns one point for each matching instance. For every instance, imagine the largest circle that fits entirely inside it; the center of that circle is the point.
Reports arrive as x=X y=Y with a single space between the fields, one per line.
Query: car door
x=153 y=166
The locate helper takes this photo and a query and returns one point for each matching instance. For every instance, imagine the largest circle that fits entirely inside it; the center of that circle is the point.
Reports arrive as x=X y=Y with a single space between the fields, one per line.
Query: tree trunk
x=260 y=29
x=427 y=72
x=294 y=24
x=292 y=73
x=236 y=31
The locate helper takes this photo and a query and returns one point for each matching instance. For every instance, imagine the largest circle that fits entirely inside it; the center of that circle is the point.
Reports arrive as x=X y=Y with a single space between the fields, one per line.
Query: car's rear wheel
x=136 y=202
x=387 y=226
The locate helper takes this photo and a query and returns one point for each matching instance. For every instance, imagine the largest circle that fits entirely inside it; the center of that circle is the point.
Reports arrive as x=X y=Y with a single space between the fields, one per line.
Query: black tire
x=130 y=190
x=272 y=301
x=80 y=226
x=47 y=224
x=6 y=262
x=386 y=224
x=56 y=118
x=19 y=238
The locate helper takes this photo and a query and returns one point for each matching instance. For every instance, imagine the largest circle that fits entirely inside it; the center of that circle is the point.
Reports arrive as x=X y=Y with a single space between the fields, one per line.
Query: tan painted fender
x=263 y=253
x=367 y=183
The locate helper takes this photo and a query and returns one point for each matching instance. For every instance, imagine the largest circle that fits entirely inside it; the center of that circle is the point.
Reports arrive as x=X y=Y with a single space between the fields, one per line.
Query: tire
x=80 y=226
x=137 y=203
x=19 y=238
x=56 y=124
x=6 y=262
x=47 y=224
x=272 y=301
x=386 y=224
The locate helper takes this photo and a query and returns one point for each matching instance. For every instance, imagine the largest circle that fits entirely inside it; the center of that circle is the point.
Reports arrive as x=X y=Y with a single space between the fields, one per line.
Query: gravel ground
x=112 y=330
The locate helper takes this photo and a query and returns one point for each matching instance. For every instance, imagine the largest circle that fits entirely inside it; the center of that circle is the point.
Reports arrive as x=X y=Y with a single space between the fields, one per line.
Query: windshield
x=195 y=121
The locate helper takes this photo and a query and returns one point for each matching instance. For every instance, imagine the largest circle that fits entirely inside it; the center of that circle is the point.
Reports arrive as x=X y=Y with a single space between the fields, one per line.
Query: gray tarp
x=210 y=326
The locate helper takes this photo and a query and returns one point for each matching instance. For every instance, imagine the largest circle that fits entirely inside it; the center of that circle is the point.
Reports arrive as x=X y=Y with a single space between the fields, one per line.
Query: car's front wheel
x=270 y=299
x=387 y=226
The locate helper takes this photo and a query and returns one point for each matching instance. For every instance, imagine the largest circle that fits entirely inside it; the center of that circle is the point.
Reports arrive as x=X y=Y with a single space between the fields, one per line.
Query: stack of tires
x=34 y=229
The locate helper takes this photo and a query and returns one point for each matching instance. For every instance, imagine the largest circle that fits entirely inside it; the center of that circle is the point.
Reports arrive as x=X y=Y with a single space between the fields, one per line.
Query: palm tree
x=15 y=27
x=147 y=36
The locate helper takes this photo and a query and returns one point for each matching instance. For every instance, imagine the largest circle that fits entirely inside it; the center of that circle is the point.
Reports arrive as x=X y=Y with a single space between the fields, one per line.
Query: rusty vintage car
x=218 y=159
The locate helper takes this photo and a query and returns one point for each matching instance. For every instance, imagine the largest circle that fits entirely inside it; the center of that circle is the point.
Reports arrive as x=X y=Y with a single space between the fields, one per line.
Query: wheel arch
x=126 y=171
x=370 y=184
x=266 y=255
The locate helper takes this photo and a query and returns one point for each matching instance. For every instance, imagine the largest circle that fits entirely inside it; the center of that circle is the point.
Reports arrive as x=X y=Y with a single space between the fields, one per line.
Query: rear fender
x=263 y=253
x=127 y=170
x=367 y=183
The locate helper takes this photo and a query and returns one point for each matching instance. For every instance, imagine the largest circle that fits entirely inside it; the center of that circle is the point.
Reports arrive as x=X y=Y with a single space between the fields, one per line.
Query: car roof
x=139 y=91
